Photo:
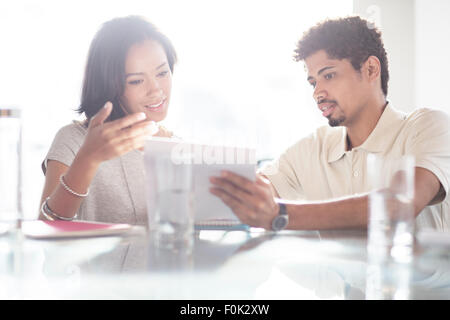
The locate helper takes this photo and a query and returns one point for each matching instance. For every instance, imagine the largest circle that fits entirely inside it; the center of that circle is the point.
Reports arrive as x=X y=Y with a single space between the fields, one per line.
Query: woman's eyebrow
x=161 y=65
x=142 y=73
x=134 y=74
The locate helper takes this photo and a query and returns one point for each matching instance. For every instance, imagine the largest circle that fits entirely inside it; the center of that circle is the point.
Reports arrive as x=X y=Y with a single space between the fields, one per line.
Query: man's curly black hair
x=351 y=38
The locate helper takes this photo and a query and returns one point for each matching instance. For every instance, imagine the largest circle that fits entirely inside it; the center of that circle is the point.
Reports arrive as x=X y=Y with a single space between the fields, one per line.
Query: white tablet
x=206 y=161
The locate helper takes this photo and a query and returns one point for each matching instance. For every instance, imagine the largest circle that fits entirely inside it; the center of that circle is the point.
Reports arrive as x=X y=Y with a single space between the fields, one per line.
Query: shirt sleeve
x=430 y=144
x=65 y=145
x=282 y=175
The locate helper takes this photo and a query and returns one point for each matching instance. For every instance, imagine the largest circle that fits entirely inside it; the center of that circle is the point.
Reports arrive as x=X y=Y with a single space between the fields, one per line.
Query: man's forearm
x=353 y=211
x=349 y=212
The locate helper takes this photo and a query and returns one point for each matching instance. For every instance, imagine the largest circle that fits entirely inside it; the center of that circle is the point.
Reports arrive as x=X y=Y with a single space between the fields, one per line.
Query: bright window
x=235 y=82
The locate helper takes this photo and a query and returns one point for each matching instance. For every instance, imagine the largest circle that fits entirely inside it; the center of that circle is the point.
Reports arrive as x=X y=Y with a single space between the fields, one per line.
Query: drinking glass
x=170 y=200
x=10 y=168
x=391 y=226
x=391 y=209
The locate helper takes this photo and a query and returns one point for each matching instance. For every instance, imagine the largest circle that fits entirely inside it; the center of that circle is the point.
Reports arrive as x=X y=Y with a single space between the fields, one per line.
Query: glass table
x=222 y=264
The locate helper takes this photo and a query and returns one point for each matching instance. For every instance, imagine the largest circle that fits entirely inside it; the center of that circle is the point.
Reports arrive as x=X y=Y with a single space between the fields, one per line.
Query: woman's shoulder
x=71 y=135
x=74 y=129
x=66 y=143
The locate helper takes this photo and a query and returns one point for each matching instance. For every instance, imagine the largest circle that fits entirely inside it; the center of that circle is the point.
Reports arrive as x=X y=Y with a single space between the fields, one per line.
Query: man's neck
x=358 y=132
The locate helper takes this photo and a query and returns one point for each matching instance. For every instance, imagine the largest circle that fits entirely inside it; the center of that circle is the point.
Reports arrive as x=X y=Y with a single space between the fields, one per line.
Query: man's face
x=340 y=91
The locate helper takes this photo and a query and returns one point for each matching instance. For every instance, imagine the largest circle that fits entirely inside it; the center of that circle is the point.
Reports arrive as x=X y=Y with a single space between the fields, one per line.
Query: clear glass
x=391 y=210
x=391 y=224
x=170 y=201
x=10 y=168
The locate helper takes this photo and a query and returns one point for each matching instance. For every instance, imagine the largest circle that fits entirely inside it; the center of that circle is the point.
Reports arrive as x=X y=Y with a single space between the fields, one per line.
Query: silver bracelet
x=47 y=216
x=81 y=195
x=50 y=215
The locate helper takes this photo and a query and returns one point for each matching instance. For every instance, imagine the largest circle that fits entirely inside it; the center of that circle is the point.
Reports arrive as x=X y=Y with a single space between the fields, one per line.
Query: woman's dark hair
x=104 y=77
x=350 y=38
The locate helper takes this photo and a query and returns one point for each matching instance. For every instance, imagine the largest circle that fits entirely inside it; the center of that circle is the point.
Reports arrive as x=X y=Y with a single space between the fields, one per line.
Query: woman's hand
x=163 y=132
x=105 y=141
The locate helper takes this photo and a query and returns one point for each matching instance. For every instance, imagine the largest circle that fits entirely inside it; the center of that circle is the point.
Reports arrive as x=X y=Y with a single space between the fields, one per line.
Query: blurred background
x=235 y=83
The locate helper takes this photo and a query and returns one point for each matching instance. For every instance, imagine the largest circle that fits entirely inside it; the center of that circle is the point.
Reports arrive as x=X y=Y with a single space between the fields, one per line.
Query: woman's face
x=148 y=81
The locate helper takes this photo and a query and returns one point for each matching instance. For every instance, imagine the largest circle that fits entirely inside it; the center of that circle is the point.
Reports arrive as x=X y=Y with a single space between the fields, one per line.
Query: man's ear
x=372 y=68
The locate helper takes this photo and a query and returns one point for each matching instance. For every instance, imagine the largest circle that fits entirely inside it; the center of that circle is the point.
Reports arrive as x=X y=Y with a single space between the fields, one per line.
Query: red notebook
x=63 y=229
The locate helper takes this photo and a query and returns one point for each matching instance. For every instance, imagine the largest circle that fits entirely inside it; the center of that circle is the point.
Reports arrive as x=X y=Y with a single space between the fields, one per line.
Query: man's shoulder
x=426 y=122
x=425 y=115
x=322 y=141
x=324 y=135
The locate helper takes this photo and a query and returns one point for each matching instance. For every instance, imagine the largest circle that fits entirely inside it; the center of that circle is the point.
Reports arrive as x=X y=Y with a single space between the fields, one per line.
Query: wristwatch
x=281 y=220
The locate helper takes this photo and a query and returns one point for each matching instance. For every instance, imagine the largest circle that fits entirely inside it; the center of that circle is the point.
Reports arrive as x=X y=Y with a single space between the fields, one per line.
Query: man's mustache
x=326 y=101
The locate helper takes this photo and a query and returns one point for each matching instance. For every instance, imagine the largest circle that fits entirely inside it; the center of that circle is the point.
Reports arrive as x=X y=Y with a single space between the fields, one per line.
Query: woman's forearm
x=78 y=178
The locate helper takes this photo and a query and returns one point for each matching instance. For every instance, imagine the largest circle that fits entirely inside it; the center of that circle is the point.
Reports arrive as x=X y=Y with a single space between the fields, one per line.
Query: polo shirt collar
x=379 y=138
x=338 y=150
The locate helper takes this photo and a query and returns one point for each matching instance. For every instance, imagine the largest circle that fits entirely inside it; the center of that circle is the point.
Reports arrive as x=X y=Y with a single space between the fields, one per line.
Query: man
x=322 y=179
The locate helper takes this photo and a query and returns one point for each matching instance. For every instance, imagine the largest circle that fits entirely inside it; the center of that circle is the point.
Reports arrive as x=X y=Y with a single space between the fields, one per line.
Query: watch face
x=280 y=222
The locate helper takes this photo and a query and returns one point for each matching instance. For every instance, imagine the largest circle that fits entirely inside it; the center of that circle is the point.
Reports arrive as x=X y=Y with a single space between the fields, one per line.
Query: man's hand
x=251 y=201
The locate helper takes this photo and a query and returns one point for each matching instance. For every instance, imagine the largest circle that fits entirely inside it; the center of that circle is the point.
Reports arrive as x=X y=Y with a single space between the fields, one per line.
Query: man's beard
x=336 y=122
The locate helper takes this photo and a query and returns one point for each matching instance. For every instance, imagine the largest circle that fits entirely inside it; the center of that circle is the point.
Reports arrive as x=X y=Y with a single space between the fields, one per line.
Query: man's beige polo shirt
x=318 y=167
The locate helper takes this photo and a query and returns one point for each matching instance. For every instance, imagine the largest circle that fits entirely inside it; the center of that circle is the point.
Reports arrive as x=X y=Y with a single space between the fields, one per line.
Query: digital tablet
x=206 y=161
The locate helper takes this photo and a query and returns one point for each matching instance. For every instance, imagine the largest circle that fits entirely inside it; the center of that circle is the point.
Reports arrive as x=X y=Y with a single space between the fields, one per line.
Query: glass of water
x=10 y=168
x=170 y=200
x=391 y=226
x=391 y=208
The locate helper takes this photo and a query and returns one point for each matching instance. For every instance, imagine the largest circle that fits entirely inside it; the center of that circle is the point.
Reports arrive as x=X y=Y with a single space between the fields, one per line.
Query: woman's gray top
x=117 y=192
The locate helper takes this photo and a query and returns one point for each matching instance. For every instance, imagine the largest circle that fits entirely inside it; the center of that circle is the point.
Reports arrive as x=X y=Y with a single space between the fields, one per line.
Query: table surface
x=254 y=264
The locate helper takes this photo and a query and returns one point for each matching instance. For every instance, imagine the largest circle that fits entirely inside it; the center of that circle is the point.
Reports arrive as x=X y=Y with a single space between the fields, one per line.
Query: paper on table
x=208 y=160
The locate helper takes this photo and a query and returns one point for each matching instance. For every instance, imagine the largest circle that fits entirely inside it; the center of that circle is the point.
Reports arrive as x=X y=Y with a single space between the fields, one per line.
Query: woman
x=94 y=169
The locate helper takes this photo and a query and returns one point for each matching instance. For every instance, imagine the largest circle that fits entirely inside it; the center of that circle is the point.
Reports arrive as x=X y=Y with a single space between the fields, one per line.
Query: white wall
x=417 y=38
x=395 y=19
x=433 y=53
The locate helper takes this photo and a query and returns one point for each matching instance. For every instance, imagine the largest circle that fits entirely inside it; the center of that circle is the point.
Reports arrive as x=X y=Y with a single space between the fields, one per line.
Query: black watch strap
x=283 y=209
x=282 y=219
